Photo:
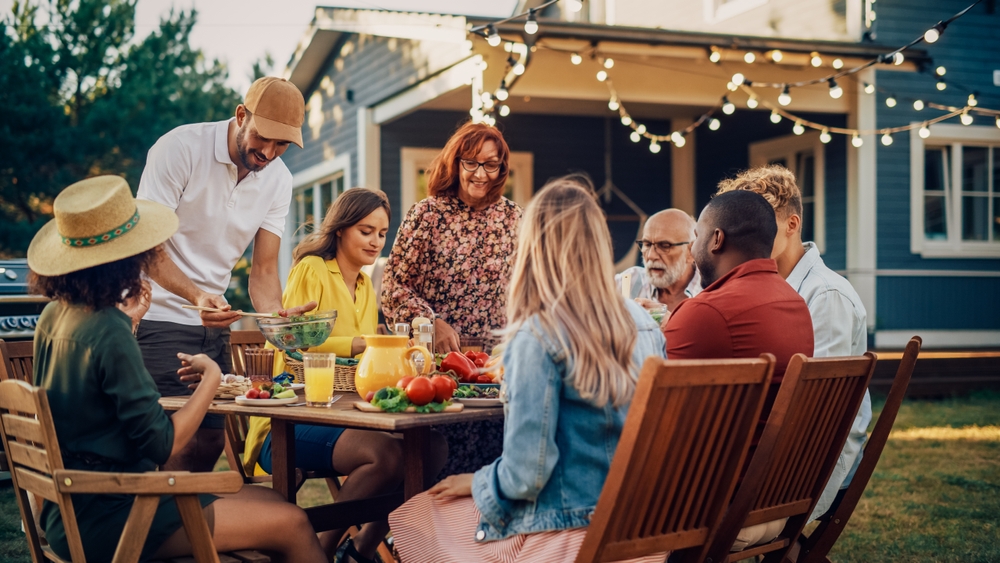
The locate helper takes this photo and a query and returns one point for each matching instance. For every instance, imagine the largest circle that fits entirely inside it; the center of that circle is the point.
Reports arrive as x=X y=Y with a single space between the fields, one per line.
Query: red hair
x=442 y=176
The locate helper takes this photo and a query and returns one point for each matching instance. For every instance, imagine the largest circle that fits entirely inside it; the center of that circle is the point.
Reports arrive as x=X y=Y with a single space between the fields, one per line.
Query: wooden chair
x=679 y=457
x=817 y=545
x=17 y=363
x=802 y=440
x=29 y=437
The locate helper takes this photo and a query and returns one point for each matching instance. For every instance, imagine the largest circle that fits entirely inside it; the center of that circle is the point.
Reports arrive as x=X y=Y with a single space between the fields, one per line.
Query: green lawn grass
x=933 y=498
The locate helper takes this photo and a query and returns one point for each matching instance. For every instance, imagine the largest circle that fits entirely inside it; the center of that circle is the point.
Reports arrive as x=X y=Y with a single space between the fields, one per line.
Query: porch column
x=682 y=162
x=369 y=152
x=862 y=217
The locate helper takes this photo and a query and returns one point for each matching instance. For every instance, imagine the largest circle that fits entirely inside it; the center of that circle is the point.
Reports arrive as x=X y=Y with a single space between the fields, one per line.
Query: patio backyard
x=935 y=495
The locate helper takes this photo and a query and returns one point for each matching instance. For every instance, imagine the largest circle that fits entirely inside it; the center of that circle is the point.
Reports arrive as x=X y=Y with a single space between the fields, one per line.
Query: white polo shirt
x=189 y=171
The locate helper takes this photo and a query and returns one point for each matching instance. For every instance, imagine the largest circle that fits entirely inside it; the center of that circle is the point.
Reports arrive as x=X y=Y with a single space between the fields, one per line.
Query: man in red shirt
x=746 y=309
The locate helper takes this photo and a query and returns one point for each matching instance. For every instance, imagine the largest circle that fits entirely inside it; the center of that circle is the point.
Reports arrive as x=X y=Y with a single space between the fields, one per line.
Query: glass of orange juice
x=318 y=368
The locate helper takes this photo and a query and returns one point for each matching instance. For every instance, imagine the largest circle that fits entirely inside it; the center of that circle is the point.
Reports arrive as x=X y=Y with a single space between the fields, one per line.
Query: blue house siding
x=944 y=303
x=560 y=145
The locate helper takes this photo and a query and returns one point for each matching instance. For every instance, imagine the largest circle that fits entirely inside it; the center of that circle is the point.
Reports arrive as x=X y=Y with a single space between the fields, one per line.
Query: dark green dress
x=104 y=404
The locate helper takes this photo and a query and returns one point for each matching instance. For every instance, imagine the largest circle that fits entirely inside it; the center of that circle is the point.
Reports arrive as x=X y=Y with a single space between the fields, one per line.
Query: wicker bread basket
x=232 y=390
x=343 y=376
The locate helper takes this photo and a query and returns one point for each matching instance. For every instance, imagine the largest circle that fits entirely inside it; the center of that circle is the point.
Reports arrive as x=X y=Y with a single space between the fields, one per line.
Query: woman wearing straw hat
x=89 y=259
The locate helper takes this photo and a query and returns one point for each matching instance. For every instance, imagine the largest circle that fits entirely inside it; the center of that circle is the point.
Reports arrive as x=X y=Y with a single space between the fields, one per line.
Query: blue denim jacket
x=557 y=448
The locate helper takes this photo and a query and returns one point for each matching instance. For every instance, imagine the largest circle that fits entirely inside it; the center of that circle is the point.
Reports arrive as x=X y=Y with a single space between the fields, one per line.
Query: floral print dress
x=453 y=262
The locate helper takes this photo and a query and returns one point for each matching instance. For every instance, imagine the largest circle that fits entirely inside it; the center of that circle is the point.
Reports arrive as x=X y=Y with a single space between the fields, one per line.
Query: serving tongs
x=215 y=310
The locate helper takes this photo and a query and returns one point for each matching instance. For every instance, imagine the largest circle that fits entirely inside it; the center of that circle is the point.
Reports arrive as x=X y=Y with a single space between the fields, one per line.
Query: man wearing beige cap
x=227 y=184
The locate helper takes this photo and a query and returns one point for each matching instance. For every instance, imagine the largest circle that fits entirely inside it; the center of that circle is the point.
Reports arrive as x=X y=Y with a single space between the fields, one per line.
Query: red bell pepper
x=461 y=365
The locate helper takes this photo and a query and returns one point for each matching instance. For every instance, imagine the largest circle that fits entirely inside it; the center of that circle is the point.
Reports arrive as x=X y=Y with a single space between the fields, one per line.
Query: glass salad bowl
x=301 y=331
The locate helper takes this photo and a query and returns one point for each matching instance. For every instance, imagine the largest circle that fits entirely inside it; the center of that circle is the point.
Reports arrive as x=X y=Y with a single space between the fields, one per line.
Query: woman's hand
x=200 y=370
x=358 y=346
x=453 y=486
x=296 y=311
x=445 y=338
x=135 y=306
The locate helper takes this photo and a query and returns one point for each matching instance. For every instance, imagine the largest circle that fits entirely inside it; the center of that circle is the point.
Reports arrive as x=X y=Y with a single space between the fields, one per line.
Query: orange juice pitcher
x=386 y=360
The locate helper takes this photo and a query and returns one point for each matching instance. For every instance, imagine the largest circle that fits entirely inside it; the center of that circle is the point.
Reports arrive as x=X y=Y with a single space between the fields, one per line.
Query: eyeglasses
x=661 y=245
x=472 y=166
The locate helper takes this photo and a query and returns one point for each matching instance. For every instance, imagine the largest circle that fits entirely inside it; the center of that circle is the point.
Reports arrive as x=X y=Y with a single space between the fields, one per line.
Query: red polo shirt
x=745 y=313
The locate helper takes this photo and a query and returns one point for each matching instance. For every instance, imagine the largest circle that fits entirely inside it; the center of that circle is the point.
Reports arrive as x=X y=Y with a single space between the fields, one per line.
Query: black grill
x=19 y=309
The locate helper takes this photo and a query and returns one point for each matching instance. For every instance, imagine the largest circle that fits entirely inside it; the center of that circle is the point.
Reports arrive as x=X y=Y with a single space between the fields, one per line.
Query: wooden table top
x=342 y=413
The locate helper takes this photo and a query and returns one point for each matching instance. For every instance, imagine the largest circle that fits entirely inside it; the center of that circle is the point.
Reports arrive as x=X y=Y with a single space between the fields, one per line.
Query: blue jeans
x=313 y=448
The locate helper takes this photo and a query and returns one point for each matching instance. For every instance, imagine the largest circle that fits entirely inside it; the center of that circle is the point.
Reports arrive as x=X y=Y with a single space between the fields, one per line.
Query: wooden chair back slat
x=29 y=456
x=26 y=429
x=679 y=456
x=802 y=441
x=17 y=361
x=239 y=341
x=815 y=548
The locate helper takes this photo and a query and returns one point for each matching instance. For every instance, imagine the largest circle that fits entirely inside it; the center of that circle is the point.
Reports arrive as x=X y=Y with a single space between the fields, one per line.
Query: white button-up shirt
x=839 y=329
x=641 y=287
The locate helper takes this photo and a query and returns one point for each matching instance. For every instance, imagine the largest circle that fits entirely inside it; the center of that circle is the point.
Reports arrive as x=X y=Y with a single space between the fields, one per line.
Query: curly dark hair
x=98 y=287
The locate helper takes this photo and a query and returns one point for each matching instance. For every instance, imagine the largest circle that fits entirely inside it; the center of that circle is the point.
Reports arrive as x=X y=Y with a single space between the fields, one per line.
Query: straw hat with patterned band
x=97 y=221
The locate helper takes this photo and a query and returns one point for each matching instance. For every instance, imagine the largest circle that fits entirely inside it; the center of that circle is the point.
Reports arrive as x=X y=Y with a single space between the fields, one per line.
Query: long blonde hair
x=563 y=272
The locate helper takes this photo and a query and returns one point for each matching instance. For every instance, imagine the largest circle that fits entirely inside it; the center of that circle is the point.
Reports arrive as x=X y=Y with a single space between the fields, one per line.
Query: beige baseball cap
x=278 y=109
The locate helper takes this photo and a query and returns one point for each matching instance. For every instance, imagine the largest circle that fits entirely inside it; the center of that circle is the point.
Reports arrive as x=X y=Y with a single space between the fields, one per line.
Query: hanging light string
x=489 y=30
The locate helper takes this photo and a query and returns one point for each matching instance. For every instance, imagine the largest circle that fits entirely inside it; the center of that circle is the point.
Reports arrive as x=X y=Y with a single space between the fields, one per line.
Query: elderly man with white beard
x=668 y=275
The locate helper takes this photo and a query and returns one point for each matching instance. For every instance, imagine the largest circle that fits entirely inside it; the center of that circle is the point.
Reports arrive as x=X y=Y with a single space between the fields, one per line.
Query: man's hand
x=216 y=320
x=135 y=306
x=199 y=370
x=295 y=311
x=647 y=303
x=445 y=338
x=453 y=486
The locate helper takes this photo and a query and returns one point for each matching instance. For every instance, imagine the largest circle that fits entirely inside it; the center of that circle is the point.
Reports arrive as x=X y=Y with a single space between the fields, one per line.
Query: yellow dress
x=315 y=279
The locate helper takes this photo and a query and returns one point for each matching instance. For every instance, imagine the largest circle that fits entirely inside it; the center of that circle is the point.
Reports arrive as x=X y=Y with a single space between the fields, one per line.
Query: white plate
x=480 y=402
x=242 y=400
x=295 y=386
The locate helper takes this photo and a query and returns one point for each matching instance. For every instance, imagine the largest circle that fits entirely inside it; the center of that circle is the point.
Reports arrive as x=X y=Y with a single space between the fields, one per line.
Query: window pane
x=421 y=185
x=935 y=224
x=975 y=176
x=807 y=175
x=304 y=208
x=934 y=170
x=808 y=221
x=327 y=196
x=974 y=218
x=779 y=162
x=996 y=219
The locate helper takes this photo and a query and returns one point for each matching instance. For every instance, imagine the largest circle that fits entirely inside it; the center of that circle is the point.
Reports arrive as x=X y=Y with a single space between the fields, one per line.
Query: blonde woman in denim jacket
x=574 y=348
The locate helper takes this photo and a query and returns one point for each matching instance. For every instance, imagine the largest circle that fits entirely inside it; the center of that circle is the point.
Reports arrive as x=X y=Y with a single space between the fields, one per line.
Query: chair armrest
x=155 y=482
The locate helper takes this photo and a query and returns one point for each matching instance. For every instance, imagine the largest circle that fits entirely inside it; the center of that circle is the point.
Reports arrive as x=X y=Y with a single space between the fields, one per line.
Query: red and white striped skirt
x=443 y=530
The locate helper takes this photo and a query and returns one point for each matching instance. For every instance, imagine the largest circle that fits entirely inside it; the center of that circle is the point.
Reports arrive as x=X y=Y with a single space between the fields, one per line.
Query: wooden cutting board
x=368 y=407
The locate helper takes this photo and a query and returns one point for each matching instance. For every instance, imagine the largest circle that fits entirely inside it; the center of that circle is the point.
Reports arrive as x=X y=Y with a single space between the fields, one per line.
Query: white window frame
x=788 y=147
x=313 y=177
x=413 y=159
x=956 y=136
x=718 y=10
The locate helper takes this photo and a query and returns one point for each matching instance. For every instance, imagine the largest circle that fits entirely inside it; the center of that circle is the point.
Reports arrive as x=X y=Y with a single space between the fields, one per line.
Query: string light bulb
x=626 y=120
x=965 y=118
x=775 y=116
x=941 y=84
x=728 y=107
x=714 y=124
x=749 y=57
x=776 y=56
x=502 y=93
x=613 y=105
x=738 y=78
x=504 y=110
x=752 y=102
x=824 y=136
x=486 y=97
x=918 y=105
x=857 y=141
x=838 y=64
x=785 y=97
x=488 y=103
x=492 y=37
x=732 y=87
x=934 y=33
x=835 y=90
x=531 y=24
x=641 y=129
x=575 y=58
x=602 y=75
x=891 y=101
x=924 y=131
x=635 y=137
x=886 y=139
x=815 y=59
x=972 y=100
x=898 y=58
x=518 y=69
x=798 y=128
x=998 y=121
x=715 y=56
x=869 y=88
x=678 y=139
x=609 y=62
x=654 y=147
x=940 y=71
x=574 y=5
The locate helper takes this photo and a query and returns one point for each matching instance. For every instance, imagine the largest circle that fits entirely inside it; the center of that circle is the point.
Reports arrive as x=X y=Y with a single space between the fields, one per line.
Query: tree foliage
x=80 y=96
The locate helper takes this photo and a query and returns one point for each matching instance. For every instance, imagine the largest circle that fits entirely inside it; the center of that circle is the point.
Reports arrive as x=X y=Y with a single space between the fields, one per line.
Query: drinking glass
x=318 y=370
x=259 y=365
x=658 y=313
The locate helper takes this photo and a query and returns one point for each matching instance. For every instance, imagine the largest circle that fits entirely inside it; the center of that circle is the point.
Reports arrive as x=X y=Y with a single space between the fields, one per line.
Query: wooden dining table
x=415 y=430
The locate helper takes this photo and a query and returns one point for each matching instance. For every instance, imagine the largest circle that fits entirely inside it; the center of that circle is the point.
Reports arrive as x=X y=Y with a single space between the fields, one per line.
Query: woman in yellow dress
x=327 y=270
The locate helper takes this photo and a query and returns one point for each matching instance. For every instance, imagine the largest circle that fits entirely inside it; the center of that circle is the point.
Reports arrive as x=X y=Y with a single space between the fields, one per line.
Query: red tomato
x=471 y=355
x=253 y=394
x=442 y=388
x=265 y=395
x=404 y=381
x=479 y=362
x=420 y=391
x=483 y=379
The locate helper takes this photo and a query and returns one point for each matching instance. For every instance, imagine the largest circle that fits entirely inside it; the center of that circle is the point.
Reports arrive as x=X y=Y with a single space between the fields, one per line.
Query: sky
x=240 y=32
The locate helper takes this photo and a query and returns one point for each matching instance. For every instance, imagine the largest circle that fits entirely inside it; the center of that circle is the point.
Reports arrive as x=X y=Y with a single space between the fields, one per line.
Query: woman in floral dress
x=451 y=263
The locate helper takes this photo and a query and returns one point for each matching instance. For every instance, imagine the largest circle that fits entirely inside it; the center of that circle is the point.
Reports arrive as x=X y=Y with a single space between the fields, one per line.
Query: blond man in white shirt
x=229 y=187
